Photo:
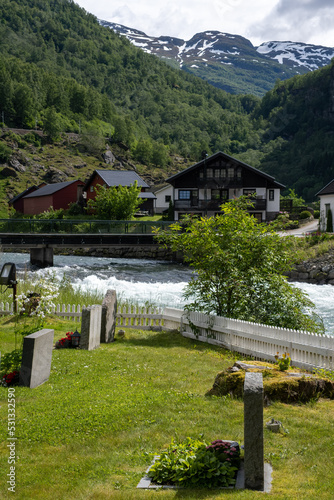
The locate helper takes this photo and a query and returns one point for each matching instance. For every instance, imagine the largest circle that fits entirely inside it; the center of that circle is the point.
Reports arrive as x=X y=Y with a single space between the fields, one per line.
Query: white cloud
x=310 y=21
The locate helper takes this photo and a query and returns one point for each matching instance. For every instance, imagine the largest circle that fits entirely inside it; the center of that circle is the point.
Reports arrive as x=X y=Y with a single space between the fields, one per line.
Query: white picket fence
x=307 y=350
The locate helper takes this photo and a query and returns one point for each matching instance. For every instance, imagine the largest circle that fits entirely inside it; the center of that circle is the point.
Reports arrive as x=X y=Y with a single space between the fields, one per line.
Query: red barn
x=58 y=195
x=17 y=201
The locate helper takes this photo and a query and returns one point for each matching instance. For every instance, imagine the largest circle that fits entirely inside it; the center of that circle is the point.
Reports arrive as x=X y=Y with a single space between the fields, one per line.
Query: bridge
x=42 y=236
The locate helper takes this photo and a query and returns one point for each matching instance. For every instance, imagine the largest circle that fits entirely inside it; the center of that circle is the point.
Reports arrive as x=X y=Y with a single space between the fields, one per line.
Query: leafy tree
x=92 y=139
x=329 y=223
x=52 y=124
x=239 y=268
x=297 y=201
x=116 y=203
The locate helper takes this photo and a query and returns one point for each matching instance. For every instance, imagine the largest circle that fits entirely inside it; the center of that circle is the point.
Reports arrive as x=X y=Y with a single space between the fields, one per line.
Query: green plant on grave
x=11 y=361
x=195 y=463
x=283 y=361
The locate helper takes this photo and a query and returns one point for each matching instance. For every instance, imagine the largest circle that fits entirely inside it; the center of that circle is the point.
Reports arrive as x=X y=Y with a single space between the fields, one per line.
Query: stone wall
x=319 y=271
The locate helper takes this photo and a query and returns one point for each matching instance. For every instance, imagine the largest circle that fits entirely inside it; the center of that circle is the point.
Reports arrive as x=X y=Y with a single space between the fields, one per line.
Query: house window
x=230 y=173
x=168 y=198
x=92 y=189
x=184 y=195
x=249 y=192
x=223 y=173
x=327 y=208
x=219 y=194
x=271 y=194
x=209 y=173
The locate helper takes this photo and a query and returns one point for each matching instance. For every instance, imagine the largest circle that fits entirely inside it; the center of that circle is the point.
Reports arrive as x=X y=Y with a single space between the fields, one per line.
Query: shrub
x=5 y=152
x=316 y=214
x=305 y=214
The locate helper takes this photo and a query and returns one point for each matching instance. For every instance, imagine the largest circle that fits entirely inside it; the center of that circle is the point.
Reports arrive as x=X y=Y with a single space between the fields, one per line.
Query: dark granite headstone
x=253 y=431
x=36 y=358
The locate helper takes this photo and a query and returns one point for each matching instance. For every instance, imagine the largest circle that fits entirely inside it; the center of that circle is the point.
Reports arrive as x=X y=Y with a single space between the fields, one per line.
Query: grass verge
x=92 y=429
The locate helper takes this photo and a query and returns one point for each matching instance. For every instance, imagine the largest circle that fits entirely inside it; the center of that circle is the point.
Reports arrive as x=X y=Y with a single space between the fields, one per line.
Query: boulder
x=284 y=386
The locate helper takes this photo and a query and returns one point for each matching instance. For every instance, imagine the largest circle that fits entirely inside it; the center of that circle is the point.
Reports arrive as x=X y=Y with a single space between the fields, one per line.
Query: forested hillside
x=300 y=131
x=55 y=55
x=60 y=71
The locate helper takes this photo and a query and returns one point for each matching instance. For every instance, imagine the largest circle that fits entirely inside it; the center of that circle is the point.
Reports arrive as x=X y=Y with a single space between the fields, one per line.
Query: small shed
x=58 y=195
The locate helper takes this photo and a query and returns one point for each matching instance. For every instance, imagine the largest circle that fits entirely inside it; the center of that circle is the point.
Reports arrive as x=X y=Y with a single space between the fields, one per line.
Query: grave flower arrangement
x=10 y=379
x=194 y=462
x=65 y=341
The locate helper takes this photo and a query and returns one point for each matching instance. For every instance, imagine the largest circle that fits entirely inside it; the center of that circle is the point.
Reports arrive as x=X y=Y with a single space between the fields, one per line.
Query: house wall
x=37 y=205
x=69 y=194
x=97 y=180
x=161 y=204
x=325 y=201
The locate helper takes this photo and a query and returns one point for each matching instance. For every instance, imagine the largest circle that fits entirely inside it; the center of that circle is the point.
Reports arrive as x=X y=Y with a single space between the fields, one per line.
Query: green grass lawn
x=90 y=432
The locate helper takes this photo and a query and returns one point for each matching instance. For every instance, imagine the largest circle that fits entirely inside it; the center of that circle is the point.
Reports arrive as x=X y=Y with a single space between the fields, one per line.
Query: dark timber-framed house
x=202 y=188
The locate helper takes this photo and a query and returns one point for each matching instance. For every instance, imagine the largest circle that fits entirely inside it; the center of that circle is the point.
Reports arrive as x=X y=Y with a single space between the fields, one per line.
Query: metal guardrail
x=67 y=226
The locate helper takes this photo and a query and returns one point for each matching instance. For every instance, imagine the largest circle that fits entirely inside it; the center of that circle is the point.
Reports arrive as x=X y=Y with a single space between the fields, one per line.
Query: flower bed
x=195 y=463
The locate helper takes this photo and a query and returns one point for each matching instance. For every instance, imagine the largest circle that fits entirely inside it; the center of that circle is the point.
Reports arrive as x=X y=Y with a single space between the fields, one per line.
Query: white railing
x=307 y=350
x=144 y=318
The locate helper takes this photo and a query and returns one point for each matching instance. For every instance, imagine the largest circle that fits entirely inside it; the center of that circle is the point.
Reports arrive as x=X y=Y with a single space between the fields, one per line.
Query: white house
x=326 y=196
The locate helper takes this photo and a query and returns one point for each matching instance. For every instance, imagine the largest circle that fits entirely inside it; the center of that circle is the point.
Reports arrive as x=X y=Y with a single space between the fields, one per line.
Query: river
x=145 y=281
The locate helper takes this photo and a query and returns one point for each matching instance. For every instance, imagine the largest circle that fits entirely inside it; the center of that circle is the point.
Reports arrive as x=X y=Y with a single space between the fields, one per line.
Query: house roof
x=228 y=158
x=24 y=193
x=118 y=178
x=160 y=189
x=147 y=195
x=49 y=189
x=328 y=189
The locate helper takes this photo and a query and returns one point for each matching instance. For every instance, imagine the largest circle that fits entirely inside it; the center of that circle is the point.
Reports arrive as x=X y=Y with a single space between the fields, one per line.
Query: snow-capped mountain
x=296 y=54
x=231 y=61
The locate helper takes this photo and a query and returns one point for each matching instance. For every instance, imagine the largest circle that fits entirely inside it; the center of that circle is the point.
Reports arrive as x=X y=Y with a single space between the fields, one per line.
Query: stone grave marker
x=253 y=431
x=36 y=358
x=91 y=327
x=108 y=320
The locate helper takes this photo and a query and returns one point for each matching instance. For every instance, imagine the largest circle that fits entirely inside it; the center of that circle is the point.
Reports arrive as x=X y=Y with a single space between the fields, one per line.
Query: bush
x=305 y=214
x=5 y=152
x=316 y=214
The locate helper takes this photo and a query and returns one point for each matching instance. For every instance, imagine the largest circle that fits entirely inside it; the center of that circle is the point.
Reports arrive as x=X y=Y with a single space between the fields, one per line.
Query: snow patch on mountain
x=297 y=54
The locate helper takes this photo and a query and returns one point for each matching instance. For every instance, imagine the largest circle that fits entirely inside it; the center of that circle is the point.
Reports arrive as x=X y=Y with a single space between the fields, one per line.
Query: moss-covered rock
x=287 y=386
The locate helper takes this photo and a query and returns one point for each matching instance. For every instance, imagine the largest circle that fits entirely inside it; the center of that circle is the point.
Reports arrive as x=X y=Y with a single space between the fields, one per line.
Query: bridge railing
x=68 y=226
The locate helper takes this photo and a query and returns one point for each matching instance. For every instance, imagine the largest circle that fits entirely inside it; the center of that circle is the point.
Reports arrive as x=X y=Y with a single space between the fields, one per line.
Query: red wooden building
x=58 y=195
x=123 y=178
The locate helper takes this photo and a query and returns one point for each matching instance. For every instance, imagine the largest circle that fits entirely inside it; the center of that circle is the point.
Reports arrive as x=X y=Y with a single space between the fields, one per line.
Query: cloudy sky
x=309 y=21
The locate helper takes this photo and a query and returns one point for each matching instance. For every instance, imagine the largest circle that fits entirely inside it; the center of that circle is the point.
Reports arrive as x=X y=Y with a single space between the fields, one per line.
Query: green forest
x=61 y=72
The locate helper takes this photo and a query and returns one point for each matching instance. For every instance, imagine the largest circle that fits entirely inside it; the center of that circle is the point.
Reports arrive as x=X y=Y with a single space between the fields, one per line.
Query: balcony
x=213 y=205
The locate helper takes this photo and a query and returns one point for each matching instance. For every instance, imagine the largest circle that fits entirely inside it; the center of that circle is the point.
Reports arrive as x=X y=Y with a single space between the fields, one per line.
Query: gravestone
x=36 y=358
x=253 y=431
x=108 y=320
x=90 y=327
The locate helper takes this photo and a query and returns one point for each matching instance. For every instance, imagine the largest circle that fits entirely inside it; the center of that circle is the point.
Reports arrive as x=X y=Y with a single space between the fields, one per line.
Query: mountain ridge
x=229 y=61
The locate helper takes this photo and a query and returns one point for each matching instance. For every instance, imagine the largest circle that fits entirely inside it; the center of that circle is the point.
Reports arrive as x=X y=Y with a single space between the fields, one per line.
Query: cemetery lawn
x=91 y=431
